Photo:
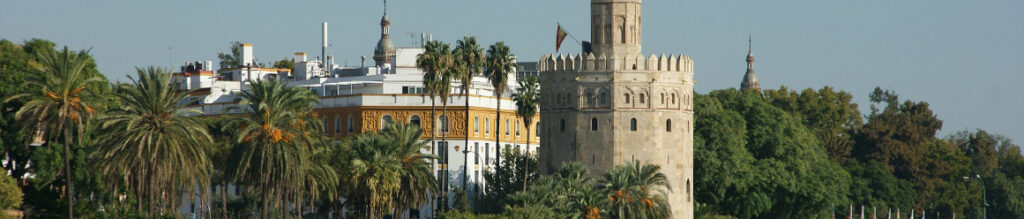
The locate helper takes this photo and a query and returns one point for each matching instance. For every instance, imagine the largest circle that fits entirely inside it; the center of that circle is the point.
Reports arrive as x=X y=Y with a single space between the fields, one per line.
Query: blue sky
x=962 y=57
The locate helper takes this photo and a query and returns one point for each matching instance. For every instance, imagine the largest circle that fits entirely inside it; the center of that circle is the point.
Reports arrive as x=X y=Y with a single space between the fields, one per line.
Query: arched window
x=662 y=98
x=673 y=98
x=517 y=127
x=443 y=119
x=668 y=125
x=325 y=124
x=561 y=125
x=351 y=124
x=604 y=98
x=537 y=129
x=632 y=124
x=593 y=124
x=487 y=125
x=507 y=127
x=386 y=121
x=642 y=101
x=415 y=120
x=627 y=98
x=337 y=124
x=476 y=124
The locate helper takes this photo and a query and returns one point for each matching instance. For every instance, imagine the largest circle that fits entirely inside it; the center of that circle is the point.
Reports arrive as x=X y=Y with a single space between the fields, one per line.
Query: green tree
x=219 y=153
x=873 y=185
x=232 y=59
x=275 y=140
x=498 y=64
x=285 y=63
x=469 y=61
x=152 y=142
x=724 y=174
x=507 y=179
x=10 y=193
x=831 y=115
x=895 y=135
x=60 y=102
x=527 y=100
x=385 y=171
x=417 y=180
x=16 y=66
x=436 y=62
x=637 y=191
x=790 y=175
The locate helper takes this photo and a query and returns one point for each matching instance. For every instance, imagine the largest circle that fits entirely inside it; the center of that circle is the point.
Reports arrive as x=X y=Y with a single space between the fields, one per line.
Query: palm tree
x=417 y=181
x=219 y=154
x=386 y=171
x=435 y=62
x=320 y=180
x=499 y=63
x=60 y=103
x=527 y=99
x=151 y=141
x=580 y=198
x=469 y=62
x=276 y=139
x=636 y=191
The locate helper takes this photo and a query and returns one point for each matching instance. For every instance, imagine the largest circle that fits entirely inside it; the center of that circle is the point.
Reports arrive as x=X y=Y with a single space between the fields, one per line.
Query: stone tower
x=616 y=105
x=750 y=80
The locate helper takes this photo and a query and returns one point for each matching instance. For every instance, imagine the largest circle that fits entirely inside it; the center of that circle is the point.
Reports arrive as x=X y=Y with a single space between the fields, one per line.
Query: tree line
x=130 y=149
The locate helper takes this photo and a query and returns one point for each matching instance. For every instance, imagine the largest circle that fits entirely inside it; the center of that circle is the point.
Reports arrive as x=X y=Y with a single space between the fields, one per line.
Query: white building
x=360 y=99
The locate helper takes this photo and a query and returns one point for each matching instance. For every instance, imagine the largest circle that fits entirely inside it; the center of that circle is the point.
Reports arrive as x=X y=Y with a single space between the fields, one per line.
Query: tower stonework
x=616 y=105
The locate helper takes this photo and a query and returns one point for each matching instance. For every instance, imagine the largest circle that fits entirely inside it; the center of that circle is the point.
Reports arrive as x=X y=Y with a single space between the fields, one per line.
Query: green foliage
x=873 y=185
x=151 y=121
x=775 y=167
x=276 y=143
x=507 y=178
x=528 y=212
x=385 y=171
x=10 y=193
x=232 y=59
x=61 y=99
x=285 y=63
x=831 y=115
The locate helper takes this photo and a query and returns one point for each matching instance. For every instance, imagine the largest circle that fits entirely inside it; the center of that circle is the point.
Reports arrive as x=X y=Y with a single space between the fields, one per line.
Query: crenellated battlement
x=590 y=63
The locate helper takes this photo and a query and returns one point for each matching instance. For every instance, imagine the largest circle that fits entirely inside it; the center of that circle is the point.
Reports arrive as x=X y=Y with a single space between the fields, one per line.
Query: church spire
x=749 y=79
x=385 y=48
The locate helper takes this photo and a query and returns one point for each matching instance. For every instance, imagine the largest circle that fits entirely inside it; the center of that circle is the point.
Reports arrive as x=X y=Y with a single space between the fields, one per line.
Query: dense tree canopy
x=780 y=153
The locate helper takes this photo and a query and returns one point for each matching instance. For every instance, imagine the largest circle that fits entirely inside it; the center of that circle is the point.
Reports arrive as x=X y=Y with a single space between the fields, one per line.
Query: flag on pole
x=559 y=37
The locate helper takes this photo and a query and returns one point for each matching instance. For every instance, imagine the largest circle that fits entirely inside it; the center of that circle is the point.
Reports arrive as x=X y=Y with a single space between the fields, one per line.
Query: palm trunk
x=465 y=151
x=67 y=173
x=433 y=145
x=526 y=165
x=138 y=191
x=497 y=135
x=444 y=140
x=266 y=200
x=224 y=200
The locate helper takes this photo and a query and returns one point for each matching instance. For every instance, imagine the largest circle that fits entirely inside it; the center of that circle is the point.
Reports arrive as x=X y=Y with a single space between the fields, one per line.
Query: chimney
x=324 y=50
x=208 y=66
x=247 y=54
x=299 y=57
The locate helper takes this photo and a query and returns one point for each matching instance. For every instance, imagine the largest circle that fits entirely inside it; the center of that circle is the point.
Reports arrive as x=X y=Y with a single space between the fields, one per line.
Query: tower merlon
x=588 y=63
